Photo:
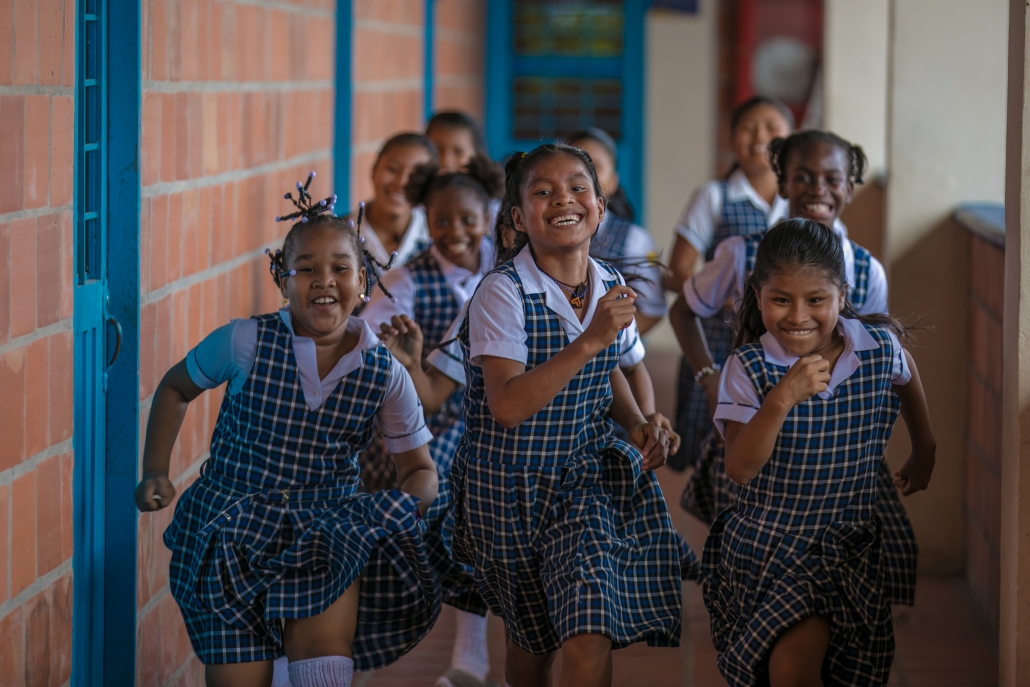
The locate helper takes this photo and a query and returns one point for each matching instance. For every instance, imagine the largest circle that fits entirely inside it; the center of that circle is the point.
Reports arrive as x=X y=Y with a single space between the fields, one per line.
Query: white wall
x=681 y=116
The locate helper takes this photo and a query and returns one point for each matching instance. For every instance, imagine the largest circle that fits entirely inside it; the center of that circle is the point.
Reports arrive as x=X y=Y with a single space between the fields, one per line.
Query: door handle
x=117 y=341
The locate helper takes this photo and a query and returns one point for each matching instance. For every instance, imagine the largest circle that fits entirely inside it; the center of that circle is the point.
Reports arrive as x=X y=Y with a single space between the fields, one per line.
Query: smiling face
x=391 y=173
x=604 y=165
x=755 y=129
x=801 y=310
x=559 y=208
x=454 y=145
x=329 y=278
x=457 y=223
x=817 y=182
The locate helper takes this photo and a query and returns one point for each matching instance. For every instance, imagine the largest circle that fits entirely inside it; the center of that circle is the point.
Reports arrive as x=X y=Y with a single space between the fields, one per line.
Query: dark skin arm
x=914 y=475
x=681 y=264
x=646 y=322
x=639 y=379
x=403 y=337
x=687 y=326
x=649 y=437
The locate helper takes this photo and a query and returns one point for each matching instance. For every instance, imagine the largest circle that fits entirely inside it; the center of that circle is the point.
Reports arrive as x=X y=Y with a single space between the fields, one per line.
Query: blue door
x=106 y=342
x=557 y=66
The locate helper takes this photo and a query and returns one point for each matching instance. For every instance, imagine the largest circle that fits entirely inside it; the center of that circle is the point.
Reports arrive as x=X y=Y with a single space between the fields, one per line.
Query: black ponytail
x=792 y=246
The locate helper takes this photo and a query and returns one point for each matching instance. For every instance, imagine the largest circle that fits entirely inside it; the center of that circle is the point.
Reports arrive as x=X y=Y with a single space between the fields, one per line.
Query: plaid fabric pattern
x=565 y=531
x=275 y=527
x=693 y=419
x=610 y=244
x=784 y=553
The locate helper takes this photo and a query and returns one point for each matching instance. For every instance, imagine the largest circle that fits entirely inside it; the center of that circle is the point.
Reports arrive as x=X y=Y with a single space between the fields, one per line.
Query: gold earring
x=285 y=302
x=363 y=297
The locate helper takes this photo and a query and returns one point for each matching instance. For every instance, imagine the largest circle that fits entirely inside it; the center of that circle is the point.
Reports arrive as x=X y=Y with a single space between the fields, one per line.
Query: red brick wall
x=36 y=142
x=983 y=453
x=459 y=43
x=237 y=105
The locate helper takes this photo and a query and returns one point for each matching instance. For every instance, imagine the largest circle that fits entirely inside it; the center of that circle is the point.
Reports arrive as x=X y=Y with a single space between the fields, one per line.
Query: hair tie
x=306 y=208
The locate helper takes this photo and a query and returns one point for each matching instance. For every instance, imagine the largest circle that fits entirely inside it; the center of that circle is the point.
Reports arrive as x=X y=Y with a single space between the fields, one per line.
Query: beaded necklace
x=577 y=294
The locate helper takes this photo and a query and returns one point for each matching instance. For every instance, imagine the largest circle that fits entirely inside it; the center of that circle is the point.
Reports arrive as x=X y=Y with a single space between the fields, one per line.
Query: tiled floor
x=939 y=641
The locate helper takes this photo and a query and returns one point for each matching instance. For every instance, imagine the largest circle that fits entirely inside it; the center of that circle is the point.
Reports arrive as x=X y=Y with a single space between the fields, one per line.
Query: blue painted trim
x=633 y=146
x=428 y=63
x=497 y=111
x=123 y=379
x=343 y=113
x=577 y=67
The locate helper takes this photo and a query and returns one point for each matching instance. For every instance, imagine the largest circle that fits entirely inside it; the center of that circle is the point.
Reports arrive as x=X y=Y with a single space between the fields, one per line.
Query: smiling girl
x=430 y=291
x=794 y=575
x=274 y=549
x=564 y=525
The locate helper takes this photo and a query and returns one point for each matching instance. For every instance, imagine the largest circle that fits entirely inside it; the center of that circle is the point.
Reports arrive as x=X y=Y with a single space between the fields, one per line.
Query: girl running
x=565 y=526
x=431 y=290
x=274 y=548
x=794 y=578
x=745 y=202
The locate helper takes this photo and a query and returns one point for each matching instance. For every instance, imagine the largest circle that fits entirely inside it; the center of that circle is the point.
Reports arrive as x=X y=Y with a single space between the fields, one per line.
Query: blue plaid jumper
x=709 y=490
x=435 y=309
x=693 y=418
x=276 y=528
x=565 y=531
x=804 y=538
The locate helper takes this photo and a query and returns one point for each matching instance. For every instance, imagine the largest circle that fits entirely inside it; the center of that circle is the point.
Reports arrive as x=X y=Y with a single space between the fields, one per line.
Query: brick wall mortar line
x=177 y=673
x=41 y=333
x=391 y=28
x=457 y=81
x=285 y=7
x=152 y=86
x=42 y=582
x=366 y=147
x=983 y=382
x=165 y=187
x=34 y=212
x=388 y=85
x=29 y=464
x=35 y=89
x=151 y=604
x=210 y=273
x=980 y=455
x=457 y=36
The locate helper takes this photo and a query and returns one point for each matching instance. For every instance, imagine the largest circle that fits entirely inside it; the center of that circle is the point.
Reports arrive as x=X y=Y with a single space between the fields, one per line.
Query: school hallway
x=940 y=641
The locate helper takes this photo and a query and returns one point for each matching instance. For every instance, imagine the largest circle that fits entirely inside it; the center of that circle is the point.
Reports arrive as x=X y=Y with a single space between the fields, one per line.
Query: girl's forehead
x=406 y=154
x=803 y=279
x=556 y=168
x=323 y=242
x=821 y=154
x=761 y=112
x=452 y=196
x=593 y=149
x=450 y=134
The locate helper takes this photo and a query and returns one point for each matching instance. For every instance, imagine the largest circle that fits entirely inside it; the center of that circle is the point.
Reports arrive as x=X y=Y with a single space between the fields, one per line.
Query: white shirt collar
x=856 y=338
x=415 y=232
x=352 y=359
x=535 y=281
x=453 y=271
x=738 y=188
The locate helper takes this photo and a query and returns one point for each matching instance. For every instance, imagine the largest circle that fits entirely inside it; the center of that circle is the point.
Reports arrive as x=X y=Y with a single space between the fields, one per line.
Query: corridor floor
x=939 y=640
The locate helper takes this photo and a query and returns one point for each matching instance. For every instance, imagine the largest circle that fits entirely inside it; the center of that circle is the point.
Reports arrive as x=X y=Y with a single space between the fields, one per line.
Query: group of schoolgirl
x=495 y=396
x=792 y=378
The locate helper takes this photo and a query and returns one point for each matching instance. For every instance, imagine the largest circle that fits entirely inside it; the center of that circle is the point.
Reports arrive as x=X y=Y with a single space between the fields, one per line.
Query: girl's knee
x=587 y=648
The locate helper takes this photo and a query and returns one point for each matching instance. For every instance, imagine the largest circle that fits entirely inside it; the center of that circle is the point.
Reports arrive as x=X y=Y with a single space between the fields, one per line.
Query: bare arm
x=749 y=446
x=171 y=400
x=681 y=264
x=648 y=436
x=646 y=322
x=914 y=475
x=639 y=380
x=403 y=337
x=687 y=326
x=417 y=474
x=515 y=394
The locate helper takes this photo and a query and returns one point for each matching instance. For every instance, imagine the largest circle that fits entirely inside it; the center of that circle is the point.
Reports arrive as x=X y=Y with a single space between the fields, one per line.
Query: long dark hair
x=792 y=246
x=515 y=171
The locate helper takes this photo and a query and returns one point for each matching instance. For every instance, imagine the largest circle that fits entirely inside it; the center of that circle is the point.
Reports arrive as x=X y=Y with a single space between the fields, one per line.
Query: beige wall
x=945 y=146
x=681 y=123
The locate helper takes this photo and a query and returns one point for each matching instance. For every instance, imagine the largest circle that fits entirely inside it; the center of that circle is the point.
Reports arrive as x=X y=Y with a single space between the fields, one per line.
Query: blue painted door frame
x=343 y=103
x=629 y=68
x=106 y=327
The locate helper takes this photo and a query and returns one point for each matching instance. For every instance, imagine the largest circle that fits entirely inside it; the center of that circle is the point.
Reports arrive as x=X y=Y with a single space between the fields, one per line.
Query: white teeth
x=818 y=208
x=324 y=300
x=565 y=220
x=800 y=332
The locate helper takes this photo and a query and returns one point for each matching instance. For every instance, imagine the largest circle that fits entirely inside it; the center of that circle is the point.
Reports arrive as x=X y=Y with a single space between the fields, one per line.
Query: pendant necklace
x=577 y=294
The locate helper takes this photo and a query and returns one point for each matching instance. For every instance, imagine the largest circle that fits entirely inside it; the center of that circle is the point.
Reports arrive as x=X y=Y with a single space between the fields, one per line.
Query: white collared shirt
x=401 y=284
x=702 y=215
x=497 y=317
x=721 y=280
x=227 y=355
x=738 y=399
x=417 y=231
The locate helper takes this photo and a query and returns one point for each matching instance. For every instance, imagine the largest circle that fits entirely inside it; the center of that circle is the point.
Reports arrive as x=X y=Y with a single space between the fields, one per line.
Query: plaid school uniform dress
x=693 y=418
x=565 y=531
x=276 y=528
x=709 y=489
x=804 y=537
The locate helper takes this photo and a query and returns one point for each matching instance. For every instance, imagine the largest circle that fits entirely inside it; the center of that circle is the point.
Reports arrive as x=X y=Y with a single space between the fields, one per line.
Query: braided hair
x=793 y=246
x=320 y=214
x=482 y=176
x=780 y=150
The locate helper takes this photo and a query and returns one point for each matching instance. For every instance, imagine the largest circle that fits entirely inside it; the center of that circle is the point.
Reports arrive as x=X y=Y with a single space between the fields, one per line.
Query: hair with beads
x=456 y=119
x=791 y=247
x=482 y=176
x=405 y=139
x=311 y=214
x=780 y=150
x=517 y=168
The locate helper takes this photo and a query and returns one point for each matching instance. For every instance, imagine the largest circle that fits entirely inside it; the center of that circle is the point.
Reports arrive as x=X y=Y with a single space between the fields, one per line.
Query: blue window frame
x=427 y=59
x=553 y=68
x=106 y=328
x=343 y=103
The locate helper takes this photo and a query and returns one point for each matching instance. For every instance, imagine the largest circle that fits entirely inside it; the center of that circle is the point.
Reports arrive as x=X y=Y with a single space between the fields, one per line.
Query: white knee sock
x=281 y=672
x=325 y=671
x=471 y=653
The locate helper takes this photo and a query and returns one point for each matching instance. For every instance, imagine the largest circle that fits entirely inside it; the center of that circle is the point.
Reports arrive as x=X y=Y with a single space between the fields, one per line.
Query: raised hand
x=403 y=337
x=614 y=312
x=809 y=376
